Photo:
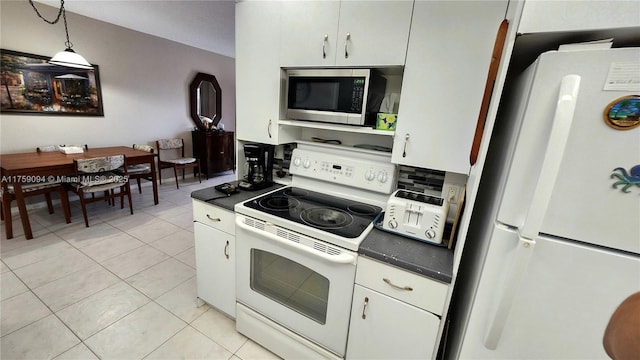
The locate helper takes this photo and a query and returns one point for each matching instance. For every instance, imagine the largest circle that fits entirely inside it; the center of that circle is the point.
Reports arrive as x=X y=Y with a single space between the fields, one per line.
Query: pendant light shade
x=70 y=58
x=67 y=57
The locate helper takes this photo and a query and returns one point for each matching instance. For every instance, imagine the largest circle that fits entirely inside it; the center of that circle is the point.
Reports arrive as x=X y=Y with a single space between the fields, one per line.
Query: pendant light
x=67 y=57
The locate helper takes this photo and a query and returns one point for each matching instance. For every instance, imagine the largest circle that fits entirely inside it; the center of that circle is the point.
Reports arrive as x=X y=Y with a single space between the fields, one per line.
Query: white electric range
x=297 y=249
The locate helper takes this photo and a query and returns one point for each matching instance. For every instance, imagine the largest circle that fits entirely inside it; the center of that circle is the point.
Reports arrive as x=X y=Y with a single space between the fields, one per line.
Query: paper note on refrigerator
x=623 y=76
x=588 y=45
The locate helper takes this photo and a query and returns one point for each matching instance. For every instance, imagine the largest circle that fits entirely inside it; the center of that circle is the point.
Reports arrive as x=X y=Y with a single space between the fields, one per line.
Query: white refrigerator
x=554 y=240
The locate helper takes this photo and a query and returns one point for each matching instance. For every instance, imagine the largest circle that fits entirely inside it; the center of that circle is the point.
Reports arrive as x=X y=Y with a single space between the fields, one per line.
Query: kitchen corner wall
x=144 y=80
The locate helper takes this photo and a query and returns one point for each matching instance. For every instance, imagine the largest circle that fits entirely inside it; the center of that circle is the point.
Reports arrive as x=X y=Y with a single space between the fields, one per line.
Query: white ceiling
x=205 y=24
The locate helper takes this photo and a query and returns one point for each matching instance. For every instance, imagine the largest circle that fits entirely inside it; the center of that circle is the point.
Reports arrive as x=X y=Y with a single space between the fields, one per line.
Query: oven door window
x=290 y=284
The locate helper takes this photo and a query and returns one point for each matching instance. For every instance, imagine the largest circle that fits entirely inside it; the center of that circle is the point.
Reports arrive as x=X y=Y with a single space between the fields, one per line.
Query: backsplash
x=409 y=178
x=282 y=157
x=418 y=179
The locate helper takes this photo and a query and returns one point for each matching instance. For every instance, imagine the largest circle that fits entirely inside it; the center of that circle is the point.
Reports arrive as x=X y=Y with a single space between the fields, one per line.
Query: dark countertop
x=220 y=199
x=419 y=257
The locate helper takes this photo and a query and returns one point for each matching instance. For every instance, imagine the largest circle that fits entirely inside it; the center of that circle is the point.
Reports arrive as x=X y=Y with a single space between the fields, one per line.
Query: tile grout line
x=51 y=313
x=54 y=229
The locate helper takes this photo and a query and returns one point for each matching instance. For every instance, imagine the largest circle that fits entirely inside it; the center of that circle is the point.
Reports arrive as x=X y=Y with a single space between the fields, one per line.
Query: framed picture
x=30 y=85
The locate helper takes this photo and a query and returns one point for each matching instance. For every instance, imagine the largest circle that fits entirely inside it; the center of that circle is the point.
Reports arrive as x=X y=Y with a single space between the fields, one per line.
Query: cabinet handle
x=269 y=129
x=213 y=219
x=346 y=42
x=406 y=140
x=364 y=308
x=408 y=288
x=324 y=42
x=226 y=250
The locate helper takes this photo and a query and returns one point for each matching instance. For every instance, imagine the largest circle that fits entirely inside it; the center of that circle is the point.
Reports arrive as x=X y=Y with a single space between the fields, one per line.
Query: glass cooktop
x=339 y=216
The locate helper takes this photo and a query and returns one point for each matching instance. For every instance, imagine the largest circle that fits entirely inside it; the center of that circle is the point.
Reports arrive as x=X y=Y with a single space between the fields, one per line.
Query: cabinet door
x=257 y=70
x=378 y=32
x=228 y=152
x=448 y=59
x=549 y=16
x=382 y=327
x=215 y=267
x=309 y=33
x=199 y=142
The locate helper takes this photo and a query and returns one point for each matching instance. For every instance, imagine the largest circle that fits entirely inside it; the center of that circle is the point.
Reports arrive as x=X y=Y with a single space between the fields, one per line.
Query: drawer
x=403 y=285
x=211 y=215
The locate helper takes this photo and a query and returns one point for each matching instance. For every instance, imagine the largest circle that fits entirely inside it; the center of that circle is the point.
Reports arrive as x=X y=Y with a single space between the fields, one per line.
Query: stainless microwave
x=344 y=96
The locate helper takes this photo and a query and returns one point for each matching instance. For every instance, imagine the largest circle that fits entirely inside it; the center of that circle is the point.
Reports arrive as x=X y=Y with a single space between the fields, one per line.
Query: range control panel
x=347 y=166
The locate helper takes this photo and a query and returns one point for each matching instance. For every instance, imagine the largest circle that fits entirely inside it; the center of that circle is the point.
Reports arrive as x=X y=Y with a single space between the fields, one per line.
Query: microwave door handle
x=343 y=258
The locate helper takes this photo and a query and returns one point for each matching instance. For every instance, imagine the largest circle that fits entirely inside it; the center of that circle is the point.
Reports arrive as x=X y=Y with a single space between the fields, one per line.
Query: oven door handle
x=342 y=258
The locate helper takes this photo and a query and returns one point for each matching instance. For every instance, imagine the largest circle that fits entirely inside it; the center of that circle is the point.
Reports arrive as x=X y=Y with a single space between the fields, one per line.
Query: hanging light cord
x=62 y=12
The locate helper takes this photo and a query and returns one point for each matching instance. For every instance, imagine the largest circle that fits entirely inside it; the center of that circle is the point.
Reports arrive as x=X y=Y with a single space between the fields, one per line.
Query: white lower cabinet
x=391 y=322
x=386 y=328
x=215 y=258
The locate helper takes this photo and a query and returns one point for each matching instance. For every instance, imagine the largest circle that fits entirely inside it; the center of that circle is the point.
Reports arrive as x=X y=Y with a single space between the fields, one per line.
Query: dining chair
x=8 y=194
x=171 y=155
x=101 y=175
x=141 y=171
x=30 y=189
x=52 y=148
x=48 y=148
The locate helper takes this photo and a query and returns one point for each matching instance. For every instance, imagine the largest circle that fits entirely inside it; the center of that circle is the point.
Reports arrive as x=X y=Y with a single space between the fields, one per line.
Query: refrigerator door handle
x=528 y=232
x=565 y=109
x=519 y=267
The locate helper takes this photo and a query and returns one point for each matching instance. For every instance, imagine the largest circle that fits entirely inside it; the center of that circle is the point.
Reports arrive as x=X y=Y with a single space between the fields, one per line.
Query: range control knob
x=306 y=163
x=382 y=177
x=393 y=224
x=297 y=161
x=430 y=234
x=370 y=175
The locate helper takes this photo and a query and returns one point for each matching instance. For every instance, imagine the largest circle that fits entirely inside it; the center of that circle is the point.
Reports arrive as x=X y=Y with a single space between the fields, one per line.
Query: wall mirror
x=205 y=97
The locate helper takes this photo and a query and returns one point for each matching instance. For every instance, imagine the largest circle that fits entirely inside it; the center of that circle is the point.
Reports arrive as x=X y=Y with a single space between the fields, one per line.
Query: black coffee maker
x=259 y=157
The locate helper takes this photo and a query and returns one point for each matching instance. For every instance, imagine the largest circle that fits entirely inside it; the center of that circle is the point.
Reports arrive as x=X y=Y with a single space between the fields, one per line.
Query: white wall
x=144 y=80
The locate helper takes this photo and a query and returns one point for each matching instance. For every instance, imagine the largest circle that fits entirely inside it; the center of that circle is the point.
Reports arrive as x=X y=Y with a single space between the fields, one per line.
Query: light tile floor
x=124 y=288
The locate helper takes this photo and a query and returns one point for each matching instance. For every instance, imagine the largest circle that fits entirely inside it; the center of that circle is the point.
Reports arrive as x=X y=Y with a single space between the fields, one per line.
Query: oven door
x=301 y=283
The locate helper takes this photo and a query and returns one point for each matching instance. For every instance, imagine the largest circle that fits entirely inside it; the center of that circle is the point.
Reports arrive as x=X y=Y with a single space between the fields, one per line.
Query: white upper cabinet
x=258 y=74
x=345 y=33
x=373 y=33
x=553 y=15
x=448 y=58
x=310 y=29
x=257 y=71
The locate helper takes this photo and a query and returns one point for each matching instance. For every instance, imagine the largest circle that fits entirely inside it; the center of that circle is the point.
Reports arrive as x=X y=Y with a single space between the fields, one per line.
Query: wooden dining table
x=47 y=166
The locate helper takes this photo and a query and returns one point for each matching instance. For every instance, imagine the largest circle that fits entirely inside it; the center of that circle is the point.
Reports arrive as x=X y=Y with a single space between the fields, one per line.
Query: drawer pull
x=226 y=250
x=212 y=219
x=364 y=308
x=408 y=288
